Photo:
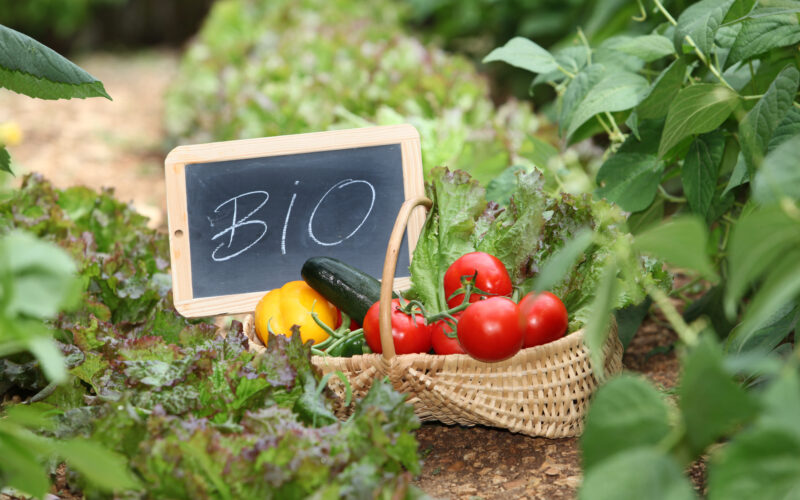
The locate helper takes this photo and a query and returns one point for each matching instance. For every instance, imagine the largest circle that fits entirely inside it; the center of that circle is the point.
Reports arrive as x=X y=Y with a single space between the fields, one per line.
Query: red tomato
x=542 y=318
x=410 y=335
x=492 y=277
x=442 y=344
x=489 y=329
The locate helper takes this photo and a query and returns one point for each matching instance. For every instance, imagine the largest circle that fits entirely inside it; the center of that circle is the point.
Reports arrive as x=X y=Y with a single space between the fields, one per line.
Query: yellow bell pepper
x=290 y=305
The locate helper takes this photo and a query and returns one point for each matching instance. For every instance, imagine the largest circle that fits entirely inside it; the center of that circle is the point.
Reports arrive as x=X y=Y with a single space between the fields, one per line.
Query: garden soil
x=120 y=144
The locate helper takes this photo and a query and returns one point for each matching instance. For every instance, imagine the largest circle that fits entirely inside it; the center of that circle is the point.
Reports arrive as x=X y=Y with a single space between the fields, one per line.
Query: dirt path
x=119 y=144
x=96 y=142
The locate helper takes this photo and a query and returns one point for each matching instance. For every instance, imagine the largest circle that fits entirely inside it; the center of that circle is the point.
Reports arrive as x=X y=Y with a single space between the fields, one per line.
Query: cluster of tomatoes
x=483 y=321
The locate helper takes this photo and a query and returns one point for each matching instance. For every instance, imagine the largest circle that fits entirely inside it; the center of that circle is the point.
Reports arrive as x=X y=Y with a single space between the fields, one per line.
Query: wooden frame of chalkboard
x=194 y=171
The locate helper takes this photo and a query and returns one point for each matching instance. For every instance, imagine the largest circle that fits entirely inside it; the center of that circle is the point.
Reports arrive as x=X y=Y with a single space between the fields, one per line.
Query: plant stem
x=582 y=36
x=669 y=197
x=642 y=13
x=664 y=11
x=605 y=127
x=752 y=97
x=688 y=285
x=617 y=132
x=684 y=331
x=708 y=63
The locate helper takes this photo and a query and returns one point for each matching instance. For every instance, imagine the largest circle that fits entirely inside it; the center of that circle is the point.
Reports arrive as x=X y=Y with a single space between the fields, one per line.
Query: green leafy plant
x=710 y=136
x=274 y=68
x=178 y=401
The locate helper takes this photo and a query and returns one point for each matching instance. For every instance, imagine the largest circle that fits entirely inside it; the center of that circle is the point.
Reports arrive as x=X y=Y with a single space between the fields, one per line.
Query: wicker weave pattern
x=541 y=391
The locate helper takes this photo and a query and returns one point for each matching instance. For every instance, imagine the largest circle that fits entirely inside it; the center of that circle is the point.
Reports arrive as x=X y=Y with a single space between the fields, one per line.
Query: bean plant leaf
x=30 y=68
x=630 y=178
x=697 y=109
x=21 y=468
x=779 y=175
x=635 y=474
x=525 y=54
x=788 y=128
x=739 y=10
x=769 y=335
x=762 y=463
x=662 y=91
x=781 y=401
x=5 y=160
x=757 y=127
x=577 y=90
x=712 y=403
x=757 y=240
x=616 y=91
x=780 y=286
x=681 y=242
x=626 y=412
x=700 y=170
x=646 y=47
x=739 y=175
x=700 y=22
x=761 y=34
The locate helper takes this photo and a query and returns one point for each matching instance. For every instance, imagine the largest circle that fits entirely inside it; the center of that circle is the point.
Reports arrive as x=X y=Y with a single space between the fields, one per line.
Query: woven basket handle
x=389 y=267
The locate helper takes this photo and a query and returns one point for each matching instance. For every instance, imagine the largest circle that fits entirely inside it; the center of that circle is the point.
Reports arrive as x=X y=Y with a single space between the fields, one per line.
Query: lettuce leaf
x=523 y=234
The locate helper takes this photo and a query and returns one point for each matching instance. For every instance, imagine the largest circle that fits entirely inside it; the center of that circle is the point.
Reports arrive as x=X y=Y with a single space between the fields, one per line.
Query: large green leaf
x=781 y=401
x=616 y=91
x=769 y=335
x=757 y=127
x=576 y=92
x=681 y=242
x=787 y=128
x=630 y=178
x=103 y=468
x=761 y=34
x=700 y=22
x=712 y=403
x=43 y=276
x=5 y=160
x=781 y=286
x=646 y=47
x=20 y=467
x=739 y=175
x=762 y=463
x=626 y=412
x=525 y=54
x=757 y=240
x=30 y=68
x=697 y=109
x=663 y=90
x=700 y=170
x=779 y=175
x=636 y=474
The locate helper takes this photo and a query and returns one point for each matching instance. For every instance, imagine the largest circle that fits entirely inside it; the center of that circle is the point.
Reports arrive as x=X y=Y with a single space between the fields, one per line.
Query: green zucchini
x=351 y=290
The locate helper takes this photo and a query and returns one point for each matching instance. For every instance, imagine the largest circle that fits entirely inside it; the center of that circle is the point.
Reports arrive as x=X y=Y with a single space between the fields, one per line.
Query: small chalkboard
x=245 y=215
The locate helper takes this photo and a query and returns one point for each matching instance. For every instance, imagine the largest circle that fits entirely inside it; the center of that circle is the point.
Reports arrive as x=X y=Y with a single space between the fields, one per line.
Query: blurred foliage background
x=255 y=68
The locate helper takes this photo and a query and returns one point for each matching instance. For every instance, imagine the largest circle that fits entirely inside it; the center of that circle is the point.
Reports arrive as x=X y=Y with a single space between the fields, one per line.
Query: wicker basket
x=540 y=391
